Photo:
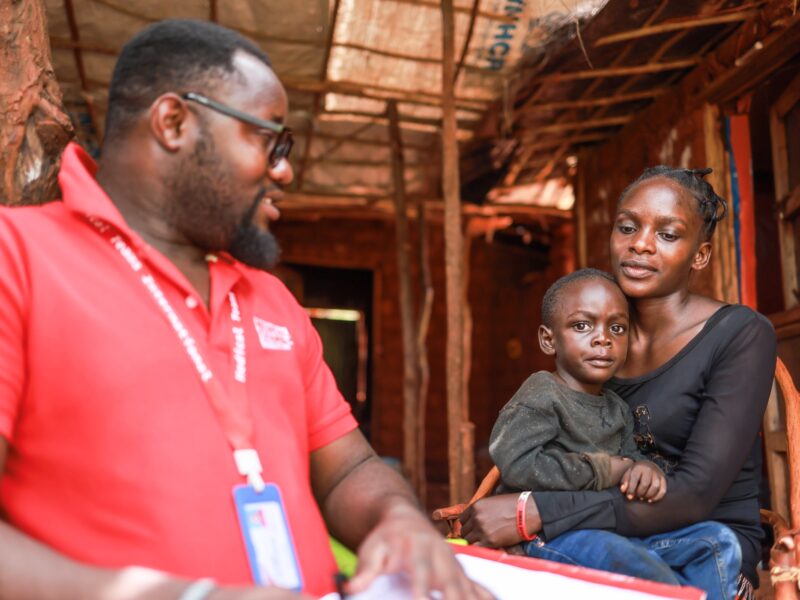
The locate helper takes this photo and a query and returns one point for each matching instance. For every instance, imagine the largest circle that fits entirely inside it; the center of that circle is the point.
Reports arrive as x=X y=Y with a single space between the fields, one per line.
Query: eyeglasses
x=284 y=140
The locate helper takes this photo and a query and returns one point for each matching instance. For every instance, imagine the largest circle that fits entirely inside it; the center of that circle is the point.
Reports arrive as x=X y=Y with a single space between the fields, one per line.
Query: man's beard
x=252 y=245
x=204 y=211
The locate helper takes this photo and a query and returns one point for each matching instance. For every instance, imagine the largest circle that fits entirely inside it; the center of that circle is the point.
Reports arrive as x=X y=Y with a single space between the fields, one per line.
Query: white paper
x=507 y=582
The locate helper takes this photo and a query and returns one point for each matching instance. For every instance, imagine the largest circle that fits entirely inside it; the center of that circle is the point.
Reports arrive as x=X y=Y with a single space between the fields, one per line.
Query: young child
x=563 y=431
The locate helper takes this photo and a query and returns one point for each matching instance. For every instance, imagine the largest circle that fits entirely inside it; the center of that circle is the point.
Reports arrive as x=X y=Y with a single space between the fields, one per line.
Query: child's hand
x=644 y=481
x=619 y=466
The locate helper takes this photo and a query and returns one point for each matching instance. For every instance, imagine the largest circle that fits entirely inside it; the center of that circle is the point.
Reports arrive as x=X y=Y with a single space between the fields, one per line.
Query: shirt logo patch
x=272 y=336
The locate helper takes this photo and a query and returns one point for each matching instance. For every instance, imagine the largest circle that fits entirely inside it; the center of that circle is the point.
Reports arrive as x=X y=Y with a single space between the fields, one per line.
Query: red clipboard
x=648 y=589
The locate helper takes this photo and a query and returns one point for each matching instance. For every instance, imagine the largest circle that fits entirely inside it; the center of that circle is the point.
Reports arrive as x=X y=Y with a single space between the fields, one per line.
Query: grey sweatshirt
x=550 y=437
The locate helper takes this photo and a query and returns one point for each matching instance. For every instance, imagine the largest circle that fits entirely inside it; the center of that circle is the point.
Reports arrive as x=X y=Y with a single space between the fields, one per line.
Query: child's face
x=589 y=334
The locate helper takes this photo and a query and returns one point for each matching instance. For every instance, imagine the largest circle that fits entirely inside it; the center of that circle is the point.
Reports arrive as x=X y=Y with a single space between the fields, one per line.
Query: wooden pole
x=407 y=319
x=459 y=452
x=35 y=127
x=423 y=368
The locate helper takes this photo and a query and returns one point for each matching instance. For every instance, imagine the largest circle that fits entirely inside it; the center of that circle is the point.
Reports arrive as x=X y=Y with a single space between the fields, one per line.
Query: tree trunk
x=35 y=128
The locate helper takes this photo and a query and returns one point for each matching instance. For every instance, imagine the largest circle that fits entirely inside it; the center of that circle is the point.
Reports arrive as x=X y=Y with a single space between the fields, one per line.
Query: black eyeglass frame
x=284 y=141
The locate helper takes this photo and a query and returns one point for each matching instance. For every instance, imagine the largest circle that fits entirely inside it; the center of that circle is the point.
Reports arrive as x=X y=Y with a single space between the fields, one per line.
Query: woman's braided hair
x=712 y=207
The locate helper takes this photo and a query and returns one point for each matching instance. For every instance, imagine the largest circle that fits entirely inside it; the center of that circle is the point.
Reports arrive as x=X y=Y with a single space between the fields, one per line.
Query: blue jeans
x=705 y=555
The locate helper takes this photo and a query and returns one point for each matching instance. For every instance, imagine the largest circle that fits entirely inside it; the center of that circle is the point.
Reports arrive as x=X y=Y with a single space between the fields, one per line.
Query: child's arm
x=522 y=446
x=644 y=481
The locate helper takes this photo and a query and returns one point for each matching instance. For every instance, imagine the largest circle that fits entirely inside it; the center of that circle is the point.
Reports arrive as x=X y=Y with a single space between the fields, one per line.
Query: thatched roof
x=536 y=79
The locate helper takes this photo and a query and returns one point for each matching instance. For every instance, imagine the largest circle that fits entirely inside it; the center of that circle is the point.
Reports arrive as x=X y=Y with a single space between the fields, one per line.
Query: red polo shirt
x=115 y=454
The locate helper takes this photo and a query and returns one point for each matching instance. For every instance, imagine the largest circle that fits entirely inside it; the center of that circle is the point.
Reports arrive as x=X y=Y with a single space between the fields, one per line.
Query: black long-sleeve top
x=698 y=416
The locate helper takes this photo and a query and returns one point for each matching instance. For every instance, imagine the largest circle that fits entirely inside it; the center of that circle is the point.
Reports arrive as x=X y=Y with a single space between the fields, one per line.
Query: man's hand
x=492 y=521
x=369 y=506
x=404 y=541
x=644 y=481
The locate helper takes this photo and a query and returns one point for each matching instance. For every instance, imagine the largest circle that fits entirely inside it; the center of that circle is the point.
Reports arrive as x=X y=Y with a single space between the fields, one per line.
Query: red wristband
x=522 y=502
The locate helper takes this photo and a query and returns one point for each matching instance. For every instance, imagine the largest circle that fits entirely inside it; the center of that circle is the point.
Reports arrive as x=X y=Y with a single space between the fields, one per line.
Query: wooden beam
x=351 y=139
x=412 y=57
x=483 y=14
x=425 y=283
x=407 y=316
x=213 y=15
x=554 y=159
x=379 y=118
x=460 y=455
x=387 y=53
x=467 y=39
x=257 y=35
x=318 y=99
x=376 y=92
x=64 y=43
x=595 y=102
x=332 y=205
x=783 y=191
x=677 y=25
x=75 y=37
x=580 y=125
x=344 y=162
x=583 y=138
x=657 y=67
x=757 y=64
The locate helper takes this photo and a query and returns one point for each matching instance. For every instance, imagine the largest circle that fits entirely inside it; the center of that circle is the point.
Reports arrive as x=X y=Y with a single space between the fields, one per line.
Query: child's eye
x=581 y=326
x=617 y=329
x=669 y=237
x=625 y=228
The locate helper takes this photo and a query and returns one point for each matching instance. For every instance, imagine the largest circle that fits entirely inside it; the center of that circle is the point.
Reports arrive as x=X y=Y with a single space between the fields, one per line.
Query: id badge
x=267 y=538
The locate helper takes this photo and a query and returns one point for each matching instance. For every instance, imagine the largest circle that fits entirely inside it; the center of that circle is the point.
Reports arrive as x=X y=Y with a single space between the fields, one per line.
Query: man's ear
x=169 y=117
x=546 y=340
x=702 y=257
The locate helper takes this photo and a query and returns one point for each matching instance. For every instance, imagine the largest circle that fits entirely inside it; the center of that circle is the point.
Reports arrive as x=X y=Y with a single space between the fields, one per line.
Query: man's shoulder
x=33 y=213
x=21 y=223
x=265 y=282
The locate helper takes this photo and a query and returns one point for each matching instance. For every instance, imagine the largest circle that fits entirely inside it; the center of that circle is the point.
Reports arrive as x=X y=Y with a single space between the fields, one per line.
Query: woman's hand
x=492 y=521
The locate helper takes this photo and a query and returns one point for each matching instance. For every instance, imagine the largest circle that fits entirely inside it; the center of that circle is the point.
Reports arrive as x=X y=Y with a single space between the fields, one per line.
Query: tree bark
x=35 y=128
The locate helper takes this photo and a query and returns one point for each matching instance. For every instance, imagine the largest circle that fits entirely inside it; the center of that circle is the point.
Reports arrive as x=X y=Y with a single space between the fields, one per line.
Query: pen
x=339 y=579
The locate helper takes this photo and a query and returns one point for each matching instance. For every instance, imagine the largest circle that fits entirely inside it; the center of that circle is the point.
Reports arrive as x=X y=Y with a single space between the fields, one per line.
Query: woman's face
x=657 y=240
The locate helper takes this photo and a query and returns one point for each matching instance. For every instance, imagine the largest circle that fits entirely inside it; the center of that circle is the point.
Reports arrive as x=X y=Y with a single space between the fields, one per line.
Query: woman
x=697 y=378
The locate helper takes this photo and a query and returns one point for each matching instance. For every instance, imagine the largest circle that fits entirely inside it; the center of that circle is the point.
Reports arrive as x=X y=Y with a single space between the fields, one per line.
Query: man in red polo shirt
x=163 y=400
